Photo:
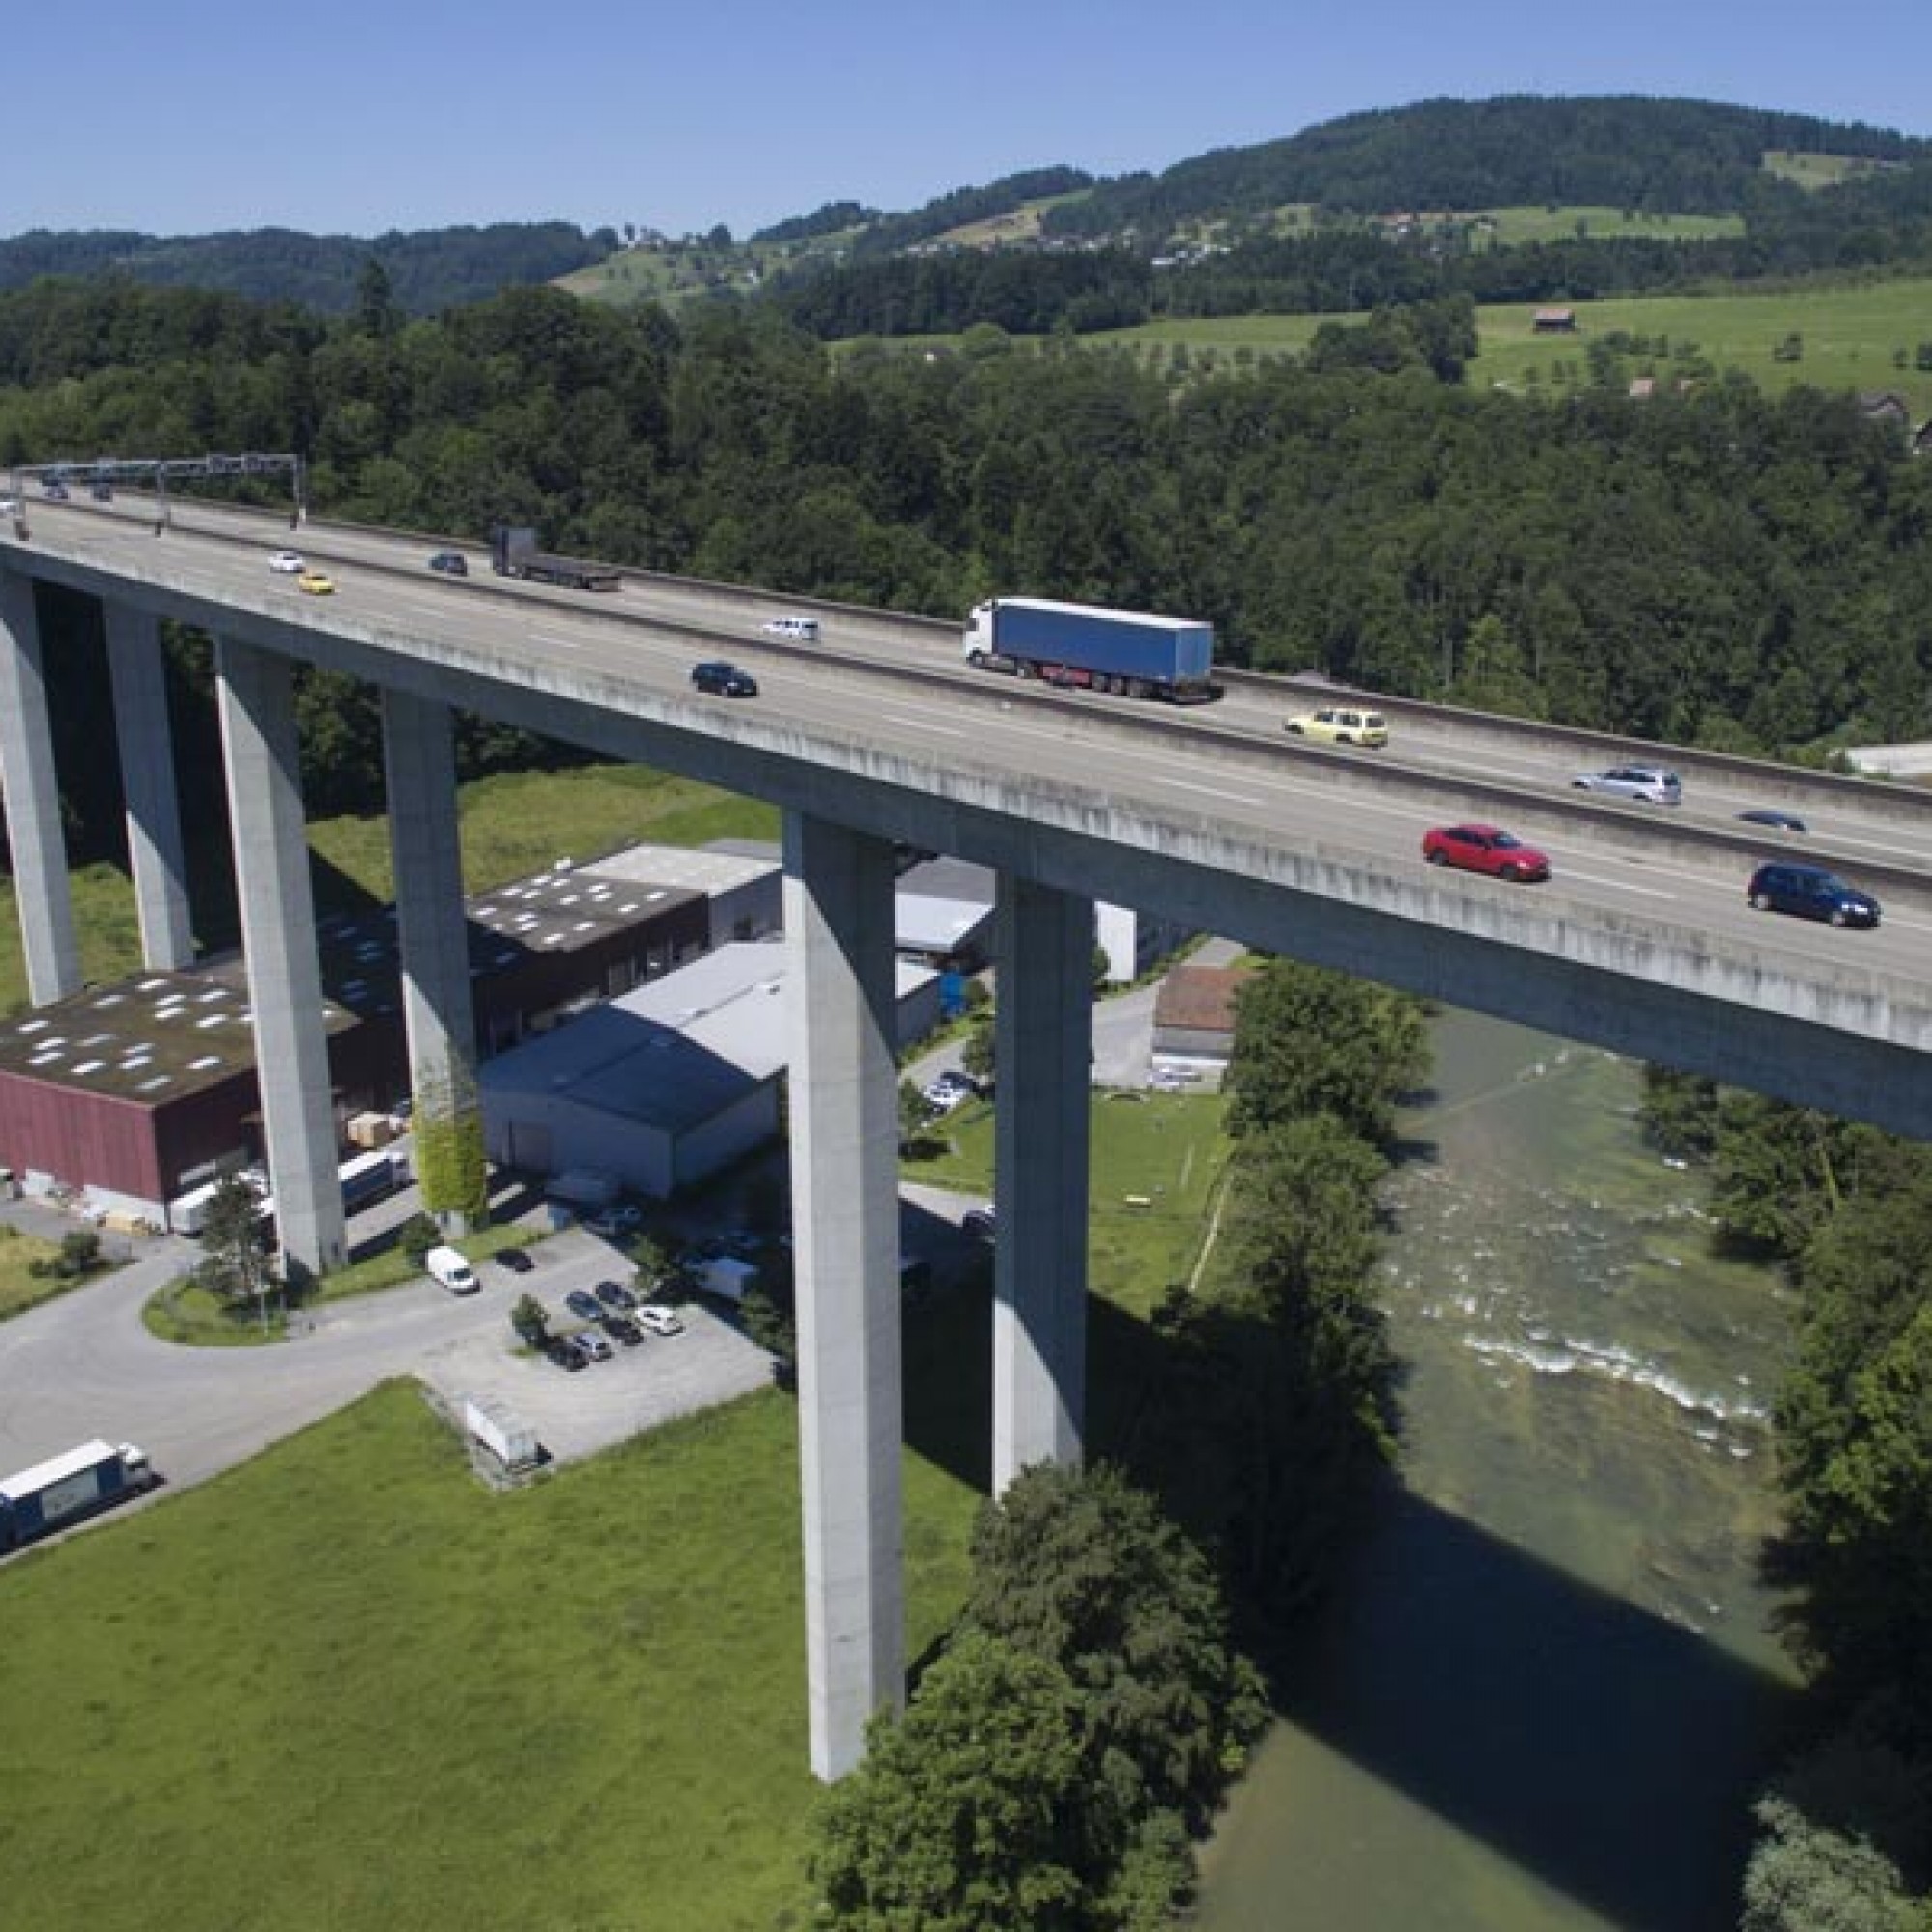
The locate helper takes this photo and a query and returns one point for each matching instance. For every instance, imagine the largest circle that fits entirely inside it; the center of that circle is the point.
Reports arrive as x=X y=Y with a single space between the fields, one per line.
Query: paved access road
x=83 y=1364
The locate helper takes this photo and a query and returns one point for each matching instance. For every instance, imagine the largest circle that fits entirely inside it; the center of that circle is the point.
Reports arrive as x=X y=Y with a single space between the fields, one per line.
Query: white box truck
x=449 y=1267
x=496 y=1424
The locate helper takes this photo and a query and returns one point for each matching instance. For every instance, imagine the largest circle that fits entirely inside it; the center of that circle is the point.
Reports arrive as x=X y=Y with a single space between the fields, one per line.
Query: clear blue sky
x=185 y=116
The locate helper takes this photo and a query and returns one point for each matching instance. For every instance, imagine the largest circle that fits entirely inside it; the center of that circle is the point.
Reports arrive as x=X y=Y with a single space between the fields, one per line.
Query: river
x=1545 y=1690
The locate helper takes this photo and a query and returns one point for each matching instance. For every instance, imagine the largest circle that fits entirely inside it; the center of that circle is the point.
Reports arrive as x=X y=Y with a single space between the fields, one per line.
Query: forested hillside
x=1619 y=150
x=1714 y=566
x=430 y=270
x=1325 y=222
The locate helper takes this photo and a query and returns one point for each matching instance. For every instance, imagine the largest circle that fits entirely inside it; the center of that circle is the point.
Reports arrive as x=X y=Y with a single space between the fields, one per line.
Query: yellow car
x=1339 y=725
x=318 y=584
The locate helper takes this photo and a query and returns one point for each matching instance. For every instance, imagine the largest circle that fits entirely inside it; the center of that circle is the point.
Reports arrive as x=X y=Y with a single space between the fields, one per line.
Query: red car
x=1484 y=848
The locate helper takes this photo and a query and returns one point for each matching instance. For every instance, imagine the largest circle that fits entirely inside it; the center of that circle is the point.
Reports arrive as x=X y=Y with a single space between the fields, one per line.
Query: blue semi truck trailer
x=66 y=1488
x=1088 y=649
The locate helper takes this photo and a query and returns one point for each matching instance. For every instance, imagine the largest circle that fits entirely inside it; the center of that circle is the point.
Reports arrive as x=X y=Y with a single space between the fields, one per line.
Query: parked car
x=101 y=493
x=942 y=1096
x=1779 y=822
x=1339 y=725
x=54 y=492
x=515 y=1260
x=565 y=1354
x=593 y=1346
x=621 y=1329
x=979 y=1222
x=723 y=680
x=1811 y=893
x=660 y=1320
x=451 y=562
x=288 y=562
x=1649 y=785
x=583 y=1305
x=1484 y=848
x=614 y=1295
x=315 y=582
x=799 y=630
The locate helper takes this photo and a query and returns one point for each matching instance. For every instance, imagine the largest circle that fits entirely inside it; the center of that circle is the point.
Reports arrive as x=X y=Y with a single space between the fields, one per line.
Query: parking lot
x=575 y=1415
x=83 y=1364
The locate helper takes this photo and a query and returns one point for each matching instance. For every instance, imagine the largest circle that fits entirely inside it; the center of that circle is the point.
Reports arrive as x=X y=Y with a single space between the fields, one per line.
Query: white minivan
x=449 y=1267
x=800 y=630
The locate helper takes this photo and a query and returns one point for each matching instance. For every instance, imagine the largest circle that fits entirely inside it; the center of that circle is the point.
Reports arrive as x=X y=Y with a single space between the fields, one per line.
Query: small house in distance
x=1553 y=322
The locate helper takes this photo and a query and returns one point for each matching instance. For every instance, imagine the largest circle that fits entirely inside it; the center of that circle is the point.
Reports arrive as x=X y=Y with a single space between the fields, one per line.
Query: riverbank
x=1546 y=1691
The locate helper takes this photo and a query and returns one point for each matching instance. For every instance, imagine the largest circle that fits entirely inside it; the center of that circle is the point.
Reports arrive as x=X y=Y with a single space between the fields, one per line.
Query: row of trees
x=1847 y=1211
x=1082 y=1722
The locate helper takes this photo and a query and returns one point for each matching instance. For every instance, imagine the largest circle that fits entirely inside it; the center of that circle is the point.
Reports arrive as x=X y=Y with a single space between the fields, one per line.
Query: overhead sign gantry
x=99 y=475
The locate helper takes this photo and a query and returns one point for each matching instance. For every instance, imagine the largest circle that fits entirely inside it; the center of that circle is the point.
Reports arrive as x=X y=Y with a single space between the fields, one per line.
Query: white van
x=799 y=630
x=448 y=1267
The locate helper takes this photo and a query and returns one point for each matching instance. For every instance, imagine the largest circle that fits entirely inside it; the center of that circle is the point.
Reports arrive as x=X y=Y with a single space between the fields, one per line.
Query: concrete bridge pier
x=137 y=672
x=1043 y=1053
x=254 y=689
x=419 y=760
x=844 y=1164
x=34 y=837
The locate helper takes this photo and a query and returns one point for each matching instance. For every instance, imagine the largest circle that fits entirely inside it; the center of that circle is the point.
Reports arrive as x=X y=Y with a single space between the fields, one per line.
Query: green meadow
x=346 y=1685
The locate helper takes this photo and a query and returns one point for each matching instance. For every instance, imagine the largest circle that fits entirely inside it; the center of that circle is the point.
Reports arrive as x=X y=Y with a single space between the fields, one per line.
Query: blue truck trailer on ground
x=67 y=1488
x=1085 y=647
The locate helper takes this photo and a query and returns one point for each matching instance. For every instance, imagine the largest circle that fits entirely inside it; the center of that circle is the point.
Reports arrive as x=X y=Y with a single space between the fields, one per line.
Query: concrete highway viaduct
x=1070 y=798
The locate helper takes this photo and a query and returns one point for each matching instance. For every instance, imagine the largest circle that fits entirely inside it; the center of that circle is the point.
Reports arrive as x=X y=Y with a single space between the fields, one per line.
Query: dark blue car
x=1811 y=893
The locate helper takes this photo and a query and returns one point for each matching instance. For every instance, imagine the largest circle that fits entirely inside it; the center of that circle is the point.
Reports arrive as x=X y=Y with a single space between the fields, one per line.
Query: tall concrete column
x=419 y=758
x=254 y=689
x=1042 y=1052
x=34 y=840
x=845 y=1236
x=137 y=670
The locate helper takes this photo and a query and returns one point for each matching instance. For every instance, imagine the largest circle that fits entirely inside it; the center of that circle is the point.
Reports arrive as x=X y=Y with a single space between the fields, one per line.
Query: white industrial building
x=742 y=884
x=667 y=1085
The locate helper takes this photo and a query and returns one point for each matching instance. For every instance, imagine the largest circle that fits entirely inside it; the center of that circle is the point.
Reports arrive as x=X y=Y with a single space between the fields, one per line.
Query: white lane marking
x=557 y=644
x=1212 y=791
x=1615 y=885
x=928 y=727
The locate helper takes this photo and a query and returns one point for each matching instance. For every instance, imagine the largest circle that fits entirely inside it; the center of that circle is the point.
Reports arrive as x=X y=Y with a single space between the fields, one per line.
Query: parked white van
x=800 y=630
x=449 y=1267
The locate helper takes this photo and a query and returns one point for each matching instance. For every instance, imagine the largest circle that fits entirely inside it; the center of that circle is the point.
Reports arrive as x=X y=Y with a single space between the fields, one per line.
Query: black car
x=55 y=492
x=616 y=1297
x=103 y=493
x=564 y=1354
x=723 y=680
x=515 y=1260
x=1780 y=821
x=451 y=562
x=583 y=1305
x=621 y=1328
x=1811 y=893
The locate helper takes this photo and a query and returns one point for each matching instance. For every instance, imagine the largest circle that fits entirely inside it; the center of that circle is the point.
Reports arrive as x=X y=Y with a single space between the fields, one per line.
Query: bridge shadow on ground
x=1606 y=1751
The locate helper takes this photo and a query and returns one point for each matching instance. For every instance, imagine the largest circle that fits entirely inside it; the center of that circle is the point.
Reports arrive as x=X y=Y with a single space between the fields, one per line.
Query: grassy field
x=347 y=1685
x=1157 y=1160
x=19 y=1287
x=1851 y=338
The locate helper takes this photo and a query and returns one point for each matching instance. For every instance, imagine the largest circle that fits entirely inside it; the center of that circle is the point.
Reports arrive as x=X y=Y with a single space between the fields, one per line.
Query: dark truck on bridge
x=514 y=553
x=65 y=1489
x=1084 y=647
